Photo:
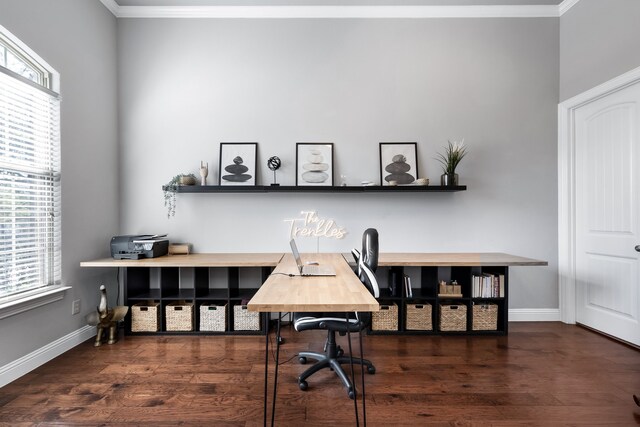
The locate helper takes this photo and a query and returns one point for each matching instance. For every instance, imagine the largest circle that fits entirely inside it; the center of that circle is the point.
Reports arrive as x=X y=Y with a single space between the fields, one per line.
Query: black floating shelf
x=317 y=189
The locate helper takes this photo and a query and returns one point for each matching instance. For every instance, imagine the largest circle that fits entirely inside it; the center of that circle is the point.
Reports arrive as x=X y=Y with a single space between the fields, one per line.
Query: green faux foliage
x=453 y=154
x=170 y=189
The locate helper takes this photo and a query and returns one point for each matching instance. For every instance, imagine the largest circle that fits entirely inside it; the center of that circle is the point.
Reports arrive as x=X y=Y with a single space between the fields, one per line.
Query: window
x=29 y=175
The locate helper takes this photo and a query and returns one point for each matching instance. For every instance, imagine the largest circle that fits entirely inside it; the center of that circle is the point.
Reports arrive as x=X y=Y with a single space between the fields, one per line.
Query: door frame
x=566 y=187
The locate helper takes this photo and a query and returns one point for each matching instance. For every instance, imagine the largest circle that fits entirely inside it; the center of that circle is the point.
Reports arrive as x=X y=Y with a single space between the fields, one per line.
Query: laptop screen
x=296 y=254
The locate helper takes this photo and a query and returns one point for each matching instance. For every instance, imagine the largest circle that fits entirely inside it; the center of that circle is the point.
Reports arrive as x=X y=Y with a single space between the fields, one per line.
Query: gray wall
x=78 y=39
x=187 y=85
x=599 y=40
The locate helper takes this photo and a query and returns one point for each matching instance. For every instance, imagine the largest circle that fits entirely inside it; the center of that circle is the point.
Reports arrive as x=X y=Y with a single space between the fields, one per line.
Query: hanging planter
x=170 y=189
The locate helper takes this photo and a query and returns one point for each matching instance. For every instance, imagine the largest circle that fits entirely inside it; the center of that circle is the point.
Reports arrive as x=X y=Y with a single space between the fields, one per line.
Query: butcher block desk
x=475 y=259
x=138 y=287
x=343 y=292
x=284 y=293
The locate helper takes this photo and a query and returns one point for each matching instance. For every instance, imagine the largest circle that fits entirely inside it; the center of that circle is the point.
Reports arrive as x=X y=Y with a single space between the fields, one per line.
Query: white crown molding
x=291 y=12
x=112 y=6
x=565 y=6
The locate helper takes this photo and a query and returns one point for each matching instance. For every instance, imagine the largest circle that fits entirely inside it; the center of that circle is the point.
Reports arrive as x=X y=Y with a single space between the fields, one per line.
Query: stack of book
x=488 y=286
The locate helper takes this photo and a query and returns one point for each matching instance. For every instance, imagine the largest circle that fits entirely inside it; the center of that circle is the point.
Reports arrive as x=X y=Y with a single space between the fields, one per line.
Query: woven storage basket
x=386 y=319
x=179 y=316
x=453 y=317
x=485 y=317
x=145 y=317
x=245 y=320
x=213 y=317
x=419 y=317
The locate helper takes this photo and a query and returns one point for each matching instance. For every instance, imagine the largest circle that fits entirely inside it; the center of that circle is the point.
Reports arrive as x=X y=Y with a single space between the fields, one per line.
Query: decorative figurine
x=204 y=172
x=106 y=318
x=274 y=164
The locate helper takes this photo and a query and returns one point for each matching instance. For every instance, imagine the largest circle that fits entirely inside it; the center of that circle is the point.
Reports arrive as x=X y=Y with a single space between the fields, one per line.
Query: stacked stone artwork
x=315 y=168
x=398 y=169
x=237 y=171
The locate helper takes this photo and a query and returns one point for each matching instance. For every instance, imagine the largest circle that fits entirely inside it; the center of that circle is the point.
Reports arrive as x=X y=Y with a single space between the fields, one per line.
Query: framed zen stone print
x=314 y=163
x=238 y=163
x=398 y=163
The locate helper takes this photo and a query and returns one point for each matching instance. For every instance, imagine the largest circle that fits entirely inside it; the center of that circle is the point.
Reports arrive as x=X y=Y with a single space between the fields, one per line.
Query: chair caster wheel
x=371 y=370
x=303 y=385
x=302 y=360
x=352 y=394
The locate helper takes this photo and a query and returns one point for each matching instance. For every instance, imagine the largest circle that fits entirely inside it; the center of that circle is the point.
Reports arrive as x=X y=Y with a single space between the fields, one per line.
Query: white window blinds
x=29 y=185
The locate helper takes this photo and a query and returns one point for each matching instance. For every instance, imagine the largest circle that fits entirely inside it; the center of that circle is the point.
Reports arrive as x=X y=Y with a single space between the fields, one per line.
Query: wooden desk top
x=193 y=260
x=386 y=259
x=341 y=293
x=486 y=259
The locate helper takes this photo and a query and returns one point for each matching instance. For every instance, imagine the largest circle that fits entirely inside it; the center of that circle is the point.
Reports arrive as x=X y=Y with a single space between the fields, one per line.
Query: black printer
x=138 y=246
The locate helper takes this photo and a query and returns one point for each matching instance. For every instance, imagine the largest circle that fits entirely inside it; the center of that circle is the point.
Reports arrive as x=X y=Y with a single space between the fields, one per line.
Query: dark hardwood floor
x=545 y=374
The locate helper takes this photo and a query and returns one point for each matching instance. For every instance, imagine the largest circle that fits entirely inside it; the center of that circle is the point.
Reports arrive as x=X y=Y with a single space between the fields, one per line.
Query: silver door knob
x=638 y=248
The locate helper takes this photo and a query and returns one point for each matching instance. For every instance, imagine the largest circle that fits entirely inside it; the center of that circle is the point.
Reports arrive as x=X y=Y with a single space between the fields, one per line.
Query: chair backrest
x=370 y=248
x=367 y=261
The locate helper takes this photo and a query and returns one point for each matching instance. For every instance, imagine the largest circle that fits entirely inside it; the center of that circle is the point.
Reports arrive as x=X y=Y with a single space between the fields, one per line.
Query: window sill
x=10 y=307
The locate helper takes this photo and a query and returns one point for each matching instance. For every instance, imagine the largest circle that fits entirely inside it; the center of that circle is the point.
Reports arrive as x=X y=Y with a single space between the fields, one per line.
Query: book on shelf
x=407 y=286
x=487 y=285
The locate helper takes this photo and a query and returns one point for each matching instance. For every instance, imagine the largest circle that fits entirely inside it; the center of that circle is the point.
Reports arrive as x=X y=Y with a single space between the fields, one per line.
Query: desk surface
x=193 y=260
x=485 y=259
x=341 y=293
x=386 y=259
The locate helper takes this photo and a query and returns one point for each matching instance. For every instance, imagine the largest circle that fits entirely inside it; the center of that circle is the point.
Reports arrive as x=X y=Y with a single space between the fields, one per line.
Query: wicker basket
x=245 y=320
x=145 y=317
x=213 y=317
x=386 y=319
x=179 y=316
x=453 y=317
x=485 y=317
x=419 y=317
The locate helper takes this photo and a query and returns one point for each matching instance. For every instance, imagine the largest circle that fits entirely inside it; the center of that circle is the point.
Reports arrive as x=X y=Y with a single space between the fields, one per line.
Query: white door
x=607 y=153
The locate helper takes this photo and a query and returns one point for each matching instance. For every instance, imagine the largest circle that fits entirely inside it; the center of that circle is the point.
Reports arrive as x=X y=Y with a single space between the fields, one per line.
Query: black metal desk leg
x=266 y=367
x=364 y=405
x=353 y=374
x=275 y=379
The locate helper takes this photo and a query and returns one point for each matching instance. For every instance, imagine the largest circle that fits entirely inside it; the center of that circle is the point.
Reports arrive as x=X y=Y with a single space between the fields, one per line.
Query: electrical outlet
x=75 y=308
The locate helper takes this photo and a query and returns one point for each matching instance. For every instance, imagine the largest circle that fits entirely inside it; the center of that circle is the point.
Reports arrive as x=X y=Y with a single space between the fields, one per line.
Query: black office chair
x=333 y=356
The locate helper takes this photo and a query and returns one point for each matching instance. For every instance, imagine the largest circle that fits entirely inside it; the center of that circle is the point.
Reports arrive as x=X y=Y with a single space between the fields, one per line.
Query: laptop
x=310 y=269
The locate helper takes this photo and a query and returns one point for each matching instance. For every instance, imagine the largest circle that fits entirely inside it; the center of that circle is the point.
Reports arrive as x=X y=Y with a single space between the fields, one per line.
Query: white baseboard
x=534 y=315
x=14 y=370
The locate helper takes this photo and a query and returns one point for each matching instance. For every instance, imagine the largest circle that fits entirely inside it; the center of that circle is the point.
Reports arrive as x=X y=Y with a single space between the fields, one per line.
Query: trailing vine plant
x=170 y=189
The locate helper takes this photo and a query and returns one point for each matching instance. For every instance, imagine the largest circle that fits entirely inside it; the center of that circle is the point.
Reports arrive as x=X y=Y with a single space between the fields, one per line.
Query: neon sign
x=311 y=225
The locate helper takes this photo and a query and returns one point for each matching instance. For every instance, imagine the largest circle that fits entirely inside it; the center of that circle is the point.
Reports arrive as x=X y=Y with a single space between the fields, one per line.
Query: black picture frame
x=391 y=166
x=314 y=164
x=238 y=163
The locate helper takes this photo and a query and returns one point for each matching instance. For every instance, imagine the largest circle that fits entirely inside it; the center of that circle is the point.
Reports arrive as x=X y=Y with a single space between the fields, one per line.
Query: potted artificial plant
x=453 y=154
